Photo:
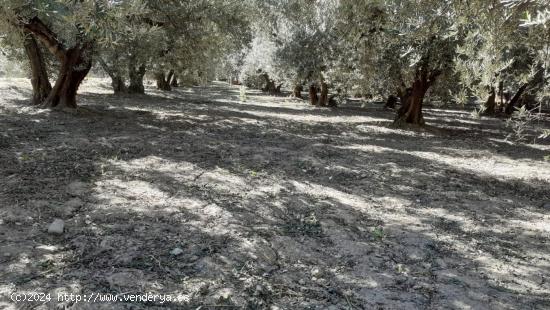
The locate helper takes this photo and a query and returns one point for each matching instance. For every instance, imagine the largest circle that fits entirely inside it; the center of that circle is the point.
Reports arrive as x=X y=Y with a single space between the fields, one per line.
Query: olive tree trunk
x=313 y=99
x=297 y=91
x=412 y=99
x=323 y=98
x=117 y=80
x=41 y=86
x=490 y=104
x=391 y=102
x=270 y=86
x=75 y=62
x=174 y=82
x=74 y=68
x=513 y=102
x=163 y=81
x=136 y=75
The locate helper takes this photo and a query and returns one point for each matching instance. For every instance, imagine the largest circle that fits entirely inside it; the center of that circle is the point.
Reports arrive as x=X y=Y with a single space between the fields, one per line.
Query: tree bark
x=119 y=87
x=117 y=81
x=75 y=63
x=491 y=102
x=412 y=99
x=74 y=68
x=332 y=101
x=270 y=86
x=411 y=109
x=313 y=94
x=391 y=102
x=169 y=77
x=162 y=82
x=297 y=91
x=41 y=86
x=174 y=82
x=136 y=79
x=323 y=99
x=501 y=95
x=512 y=104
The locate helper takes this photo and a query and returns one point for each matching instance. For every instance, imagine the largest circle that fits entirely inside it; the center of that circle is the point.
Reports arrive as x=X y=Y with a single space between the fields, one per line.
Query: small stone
x=401 y=279
x=302 y=281
x=76 y=188
x=315 y=272
x=56 y=227
x=176 y=251
x=47 y=248
x=74 y=203
x=38 y=204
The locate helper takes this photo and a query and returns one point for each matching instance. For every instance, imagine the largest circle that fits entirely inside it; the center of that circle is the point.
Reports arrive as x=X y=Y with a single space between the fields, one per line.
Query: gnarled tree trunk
x=491 y=103
x=391 y=102
x=41 y=86
x=512 y=104
x=75 y=63
x=270 y=86
x=313 y=94
x=323 y=99
x=297 y=91
x=332 y=101
x=501 y=95
x=174 y=82
x=74 y=68
x=169 y=77
x=136 y=79
x=411 y=110
x=117 y=81
x=162 y=82
x=412 y=99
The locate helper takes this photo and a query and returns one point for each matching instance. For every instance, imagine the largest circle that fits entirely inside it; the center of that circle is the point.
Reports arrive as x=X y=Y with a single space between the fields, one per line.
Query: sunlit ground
x=274 y=203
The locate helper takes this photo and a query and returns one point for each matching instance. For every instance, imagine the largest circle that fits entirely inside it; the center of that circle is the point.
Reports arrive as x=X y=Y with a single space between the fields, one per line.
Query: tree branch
x=46 y=36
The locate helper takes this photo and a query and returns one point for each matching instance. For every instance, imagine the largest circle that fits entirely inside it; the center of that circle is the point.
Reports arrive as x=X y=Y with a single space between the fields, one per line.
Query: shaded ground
x=275 y=204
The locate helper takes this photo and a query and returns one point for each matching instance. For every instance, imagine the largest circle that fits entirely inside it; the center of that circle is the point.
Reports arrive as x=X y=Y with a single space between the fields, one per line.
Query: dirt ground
x=267 y=204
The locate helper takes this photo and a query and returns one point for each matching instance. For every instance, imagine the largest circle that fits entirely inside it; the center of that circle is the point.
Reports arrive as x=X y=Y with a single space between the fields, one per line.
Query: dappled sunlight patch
x=285 y=205
x=224 y=180
x=129 y=192
x=308 y=118
x=495 y=165
x=535 y=146
x=376 y=128
x=365 y=148
x=95 y=86
x=474 y=161
x=179 y=170
x=20 y=264
x=536 y=224
x=320 y=191
x=391 y=201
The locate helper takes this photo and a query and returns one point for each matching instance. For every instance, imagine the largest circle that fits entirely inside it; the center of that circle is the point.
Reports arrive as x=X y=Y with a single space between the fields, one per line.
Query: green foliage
x=378 y=233
x=526 y=125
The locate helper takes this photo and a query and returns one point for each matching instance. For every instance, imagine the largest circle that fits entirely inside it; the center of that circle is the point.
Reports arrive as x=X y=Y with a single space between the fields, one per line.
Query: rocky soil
x=267 y=204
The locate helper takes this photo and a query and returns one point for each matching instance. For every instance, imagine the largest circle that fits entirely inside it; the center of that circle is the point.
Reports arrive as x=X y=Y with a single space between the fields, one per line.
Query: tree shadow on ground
x=267 y=210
